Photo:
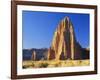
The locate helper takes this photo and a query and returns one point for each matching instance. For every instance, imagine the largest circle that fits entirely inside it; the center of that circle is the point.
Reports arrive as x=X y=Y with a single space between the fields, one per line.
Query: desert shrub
x=24 y=67
x=80 y=62
x=43 y=65
x=57 y=65
x=32 y=65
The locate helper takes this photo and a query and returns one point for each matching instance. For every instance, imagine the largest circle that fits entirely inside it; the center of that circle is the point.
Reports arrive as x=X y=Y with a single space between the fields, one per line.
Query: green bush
x=43 y=65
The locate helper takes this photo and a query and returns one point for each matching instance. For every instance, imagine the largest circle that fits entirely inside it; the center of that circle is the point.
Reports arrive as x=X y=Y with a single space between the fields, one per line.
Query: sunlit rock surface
x=64 y=44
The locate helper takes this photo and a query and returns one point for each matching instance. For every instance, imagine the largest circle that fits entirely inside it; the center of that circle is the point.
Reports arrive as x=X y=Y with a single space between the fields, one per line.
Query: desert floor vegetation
x=54 y=63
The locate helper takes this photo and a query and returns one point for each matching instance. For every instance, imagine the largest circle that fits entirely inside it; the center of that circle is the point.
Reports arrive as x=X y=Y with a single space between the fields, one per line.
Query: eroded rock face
x=64 y=45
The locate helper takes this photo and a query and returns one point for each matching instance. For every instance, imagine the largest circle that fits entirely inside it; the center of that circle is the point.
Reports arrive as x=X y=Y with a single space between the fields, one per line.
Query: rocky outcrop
x=35 y=54
x=64 y=44
x=85 y=53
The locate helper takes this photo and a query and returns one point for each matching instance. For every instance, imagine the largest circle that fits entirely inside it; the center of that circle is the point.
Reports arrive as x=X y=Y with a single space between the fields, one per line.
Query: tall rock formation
x=64 y=44
x=33 y=56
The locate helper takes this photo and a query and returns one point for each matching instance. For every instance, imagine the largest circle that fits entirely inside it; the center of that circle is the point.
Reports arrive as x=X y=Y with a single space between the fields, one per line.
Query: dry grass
x=53 y=63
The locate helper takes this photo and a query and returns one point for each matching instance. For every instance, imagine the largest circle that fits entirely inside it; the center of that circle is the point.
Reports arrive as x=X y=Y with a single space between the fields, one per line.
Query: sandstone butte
x=64 y=45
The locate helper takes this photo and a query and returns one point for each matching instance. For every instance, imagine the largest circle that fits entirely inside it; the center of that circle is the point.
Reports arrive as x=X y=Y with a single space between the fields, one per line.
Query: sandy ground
x=53 y=63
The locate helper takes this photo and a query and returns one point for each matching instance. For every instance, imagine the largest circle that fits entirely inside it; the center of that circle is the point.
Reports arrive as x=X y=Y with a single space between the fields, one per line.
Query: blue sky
x=39 y=27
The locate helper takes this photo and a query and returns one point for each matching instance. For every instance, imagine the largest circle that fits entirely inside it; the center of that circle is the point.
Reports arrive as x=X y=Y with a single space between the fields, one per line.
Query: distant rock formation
x=64 y=44
x=35 y=54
